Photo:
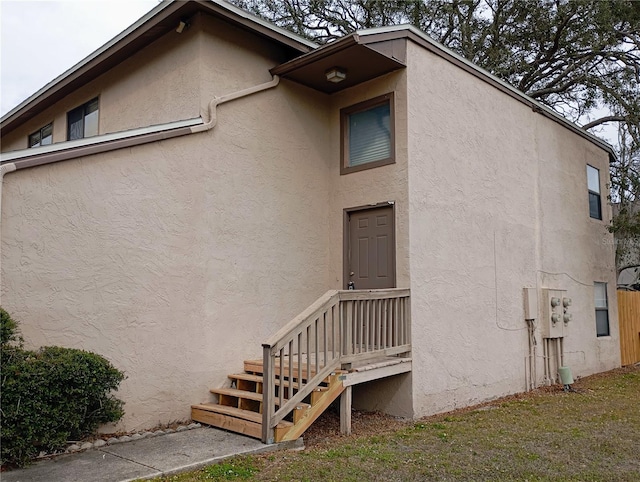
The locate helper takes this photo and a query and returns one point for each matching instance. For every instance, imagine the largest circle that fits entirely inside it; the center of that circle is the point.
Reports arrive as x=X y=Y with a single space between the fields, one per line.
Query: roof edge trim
x=262 y=22
x=92 y=145
x=315 y=55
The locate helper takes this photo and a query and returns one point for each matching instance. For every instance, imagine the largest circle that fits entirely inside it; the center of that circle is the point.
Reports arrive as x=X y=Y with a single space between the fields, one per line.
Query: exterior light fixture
x=336 y=74
x=181 y=26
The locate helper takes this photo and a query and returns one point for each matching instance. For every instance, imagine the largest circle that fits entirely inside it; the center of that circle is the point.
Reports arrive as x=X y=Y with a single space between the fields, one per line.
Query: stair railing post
x=268 y=394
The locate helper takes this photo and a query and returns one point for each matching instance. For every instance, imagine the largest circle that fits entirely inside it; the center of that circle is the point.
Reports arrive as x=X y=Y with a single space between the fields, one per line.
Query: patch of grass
x=591 y=435
x=238 y=469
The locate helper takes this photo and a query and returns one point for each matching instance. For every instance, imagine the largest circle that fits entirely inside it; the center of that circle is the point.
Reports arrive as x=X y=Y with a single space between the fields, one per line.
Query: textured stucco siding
x=370 y=187
x=497 y=202
x=177 y=259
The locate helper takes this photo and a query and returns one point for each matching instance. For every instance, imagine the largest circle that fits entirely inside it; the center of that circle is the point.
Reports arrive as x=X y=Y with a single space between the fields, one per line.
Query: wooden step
x=256 y=366
x=231 y=397
x=234 y=419
x=232 y=392
x=242 y=399
x=250 y=382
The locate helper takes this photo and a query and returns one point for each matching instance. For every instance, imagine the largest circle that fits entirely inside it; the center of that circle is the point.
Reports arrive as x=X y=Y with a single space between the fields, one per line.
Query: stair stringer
x=311 y=414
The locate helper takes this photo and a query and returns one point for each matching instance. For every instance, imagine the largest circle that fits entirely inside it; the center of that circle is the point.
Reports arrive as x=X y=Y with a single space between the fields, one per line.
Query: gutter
x=63 y=151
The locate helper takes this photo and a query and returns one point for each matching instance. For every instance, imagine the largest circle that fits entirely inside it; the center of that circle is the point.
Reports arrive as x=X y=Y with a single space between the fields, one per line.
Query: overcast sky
x=42 y=39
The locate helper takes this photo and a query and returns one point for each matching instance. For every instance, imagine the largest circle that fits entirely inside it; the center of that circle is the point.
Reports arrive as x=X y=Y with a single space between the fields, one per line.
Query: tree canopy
x=625 y=194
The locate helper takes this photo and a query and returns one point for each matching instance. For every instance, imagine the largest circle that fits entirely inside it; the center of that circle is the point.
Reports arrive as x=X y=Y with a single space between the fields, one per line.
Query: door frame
x=346 y=237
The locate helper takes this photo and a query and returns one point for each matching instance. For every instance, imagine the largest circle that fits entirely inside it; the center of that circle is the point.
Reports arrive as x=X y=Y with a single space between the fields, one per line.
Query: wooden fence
x=629 y=318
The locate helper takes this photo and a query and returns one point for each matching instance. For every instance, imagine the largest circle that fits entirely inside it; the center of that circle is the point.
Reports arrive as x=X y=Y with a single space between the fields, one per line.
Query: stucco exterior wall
x=370 y=187
x=497 y=202
x=175 y=259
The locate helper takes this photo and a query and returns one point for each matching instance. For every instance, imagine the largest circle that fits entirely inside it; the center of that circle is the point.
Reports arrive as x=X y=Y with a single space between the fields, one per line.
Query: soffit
x=362 y=62
x=157 y=23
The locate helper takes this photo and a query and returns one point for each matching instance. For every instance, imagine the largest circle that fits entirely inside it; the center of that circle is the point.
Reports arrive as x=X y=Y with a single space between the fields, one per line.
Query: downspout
x=4 y=169
x=216 y=101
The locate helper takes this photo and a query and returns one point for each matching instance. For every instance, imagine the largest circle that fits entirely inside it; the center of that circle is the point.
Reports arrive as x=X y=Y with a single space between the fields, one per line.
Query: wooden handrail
x=295 y=323
x=342 y=326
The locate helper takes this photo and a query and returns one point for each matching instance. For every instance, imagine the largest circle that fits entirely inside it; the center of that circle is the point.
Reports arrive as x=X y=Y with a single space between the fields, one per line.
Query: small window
x=593 y=183
x=42 y=137
x=602 y=309
x=367 y=133
x=83 y=121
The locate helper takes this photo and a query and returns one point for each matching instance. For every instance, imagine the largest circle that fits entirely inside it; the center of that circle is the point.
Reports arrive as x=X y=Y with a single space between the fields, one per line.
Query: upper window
x=367 y=132
x=83 y=121
x=602 y=309
x=41 y=137
x=593 y=183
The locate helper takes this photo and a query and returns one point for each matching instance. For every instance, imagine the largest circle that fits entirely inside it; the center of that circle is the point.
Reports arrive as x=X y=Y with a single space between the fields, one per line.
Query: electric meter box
x=556 y=314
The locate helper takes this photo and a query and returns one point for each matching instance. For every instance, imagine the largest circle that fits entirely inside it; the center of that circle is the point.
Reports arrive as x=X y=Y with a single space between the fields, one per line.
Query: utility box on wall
x=556 y=314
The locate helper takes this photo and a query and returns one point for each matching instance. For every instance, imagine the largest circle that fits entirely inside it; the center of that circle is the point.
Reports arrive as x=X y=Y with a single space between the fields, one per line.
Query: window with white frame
x=602 y=309
x=83 y=121
x=593 y=183
x=41 y=137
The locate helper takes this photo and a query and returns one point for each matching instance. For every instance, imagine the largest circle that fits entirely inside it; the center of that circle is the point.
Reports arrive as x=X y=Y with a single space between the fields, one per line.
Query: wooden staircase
x=239 y=407
x=304 y=365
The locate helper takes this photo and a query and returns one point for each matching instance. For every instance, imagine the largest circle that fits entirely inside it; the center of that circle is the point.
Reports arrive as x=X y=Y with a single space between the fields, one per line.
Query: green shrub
x=51 y=396
x=8 y=329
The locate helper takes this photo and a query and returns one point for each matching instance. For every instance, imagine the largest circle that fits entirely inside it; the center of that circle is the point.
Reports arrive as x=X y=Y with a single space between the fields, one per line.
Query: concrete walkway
x=145 y=458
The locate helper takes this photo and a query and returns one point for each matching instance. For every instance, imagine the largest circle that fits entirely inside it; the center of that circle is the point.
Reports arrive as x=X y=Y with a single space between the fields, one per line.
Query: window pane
x=602 y=323
x=75 y=127
x=34 y=139
x=595 y=206
x=47 y=135
x=91 y=106
x=370 y=135
x=593 y=179
x=600 y=290
x=91 y=124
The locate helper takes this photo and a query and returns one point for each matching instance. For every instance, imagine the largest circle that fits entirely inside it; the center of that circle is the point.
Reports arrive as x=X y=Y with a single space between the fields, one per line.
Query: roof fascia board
x=93 y=145
x=421 y=38
x=320 y=53
x=260 y=25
